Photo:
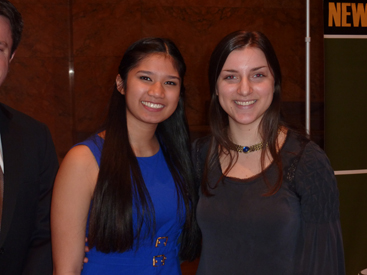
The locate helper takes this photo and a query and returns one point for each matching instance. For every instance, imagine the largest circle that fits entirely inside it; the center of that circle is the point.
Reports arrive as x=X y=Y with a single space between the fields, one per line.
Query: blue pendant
x=245 y=149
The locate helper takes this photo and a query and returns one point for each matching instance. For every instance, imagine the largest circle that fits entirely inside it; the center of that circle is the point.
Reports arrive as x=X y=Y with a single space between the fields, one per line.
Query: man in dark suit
x=28 y=167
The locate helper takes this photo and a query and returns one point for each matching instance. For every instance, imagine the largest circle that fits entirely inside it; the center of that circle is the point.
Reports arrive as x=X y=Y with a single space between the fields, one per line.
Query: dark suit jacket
x=30 y=166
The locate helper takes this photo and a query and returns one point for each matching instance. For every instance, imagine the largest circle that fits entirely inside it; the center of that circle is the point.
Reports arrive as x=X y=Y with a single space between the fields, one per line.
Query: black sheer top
x=296 y=231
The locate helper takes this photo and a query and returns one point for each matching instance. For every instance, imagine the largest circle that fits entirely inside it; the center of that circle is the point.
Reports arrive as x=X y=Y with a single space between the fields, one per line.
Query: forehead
x=158 y=62
x=248 y=56
x=5 y=31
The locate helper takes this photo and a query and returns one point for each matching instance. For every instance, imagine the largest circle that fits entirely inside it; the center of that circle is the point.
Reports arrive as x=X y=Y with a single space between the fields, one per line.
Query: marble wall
x=64 y=70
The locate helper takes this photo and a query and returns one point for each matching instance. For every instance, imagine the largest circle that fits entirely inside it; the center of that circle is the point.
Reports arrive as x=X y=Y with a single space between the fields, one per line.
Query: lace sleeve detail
x=321 y=248
x=316 y=184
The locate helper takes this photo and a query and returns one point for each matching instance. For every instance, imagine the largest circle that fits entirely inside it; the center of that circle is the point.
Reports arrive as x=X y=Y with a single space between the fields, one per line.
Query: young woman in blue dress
x=129 y=187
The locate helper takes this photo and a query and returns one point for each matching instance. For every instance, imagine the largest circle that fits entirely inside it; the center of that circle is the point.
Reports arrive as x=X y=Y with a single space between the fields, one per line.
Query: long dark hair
x=120 y=179
x=218 y=118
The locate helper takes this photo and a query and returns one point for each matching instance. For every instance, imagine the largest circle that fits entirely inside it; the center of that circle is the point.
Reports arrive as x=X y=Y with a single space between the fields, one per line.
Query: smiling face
x=5 y=47
x=245 y=87
x=152 y=90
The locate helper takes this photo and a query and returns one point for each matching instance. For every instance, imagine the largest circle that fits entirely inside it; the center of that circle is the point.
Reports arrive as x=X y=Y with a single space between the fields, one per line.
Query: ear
x=120 y=84
x=11 y=58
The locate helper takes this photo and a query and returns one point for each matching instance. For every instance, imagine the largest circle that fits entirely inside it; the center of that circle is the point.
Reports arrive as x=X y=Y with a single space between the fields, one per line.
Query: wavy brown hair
x=218 y=118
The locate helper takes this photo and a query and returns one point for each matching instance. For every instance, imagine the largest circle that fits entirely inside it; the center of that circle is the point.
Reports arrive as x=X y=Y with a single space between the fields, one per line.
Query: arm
x=71 y=199
x=321 y=250
x=39 y=260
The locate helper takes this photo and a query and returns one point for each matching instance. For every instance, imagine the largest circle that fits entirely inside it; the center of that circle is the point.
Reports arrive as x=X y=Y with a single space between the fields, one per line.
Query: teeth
x=152 y=105
x=245 y=103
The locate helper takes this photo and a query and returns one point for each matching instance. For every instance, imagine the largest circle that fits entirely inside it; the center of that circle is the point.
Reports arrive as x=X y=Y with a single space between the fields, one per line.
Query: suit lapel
x=11 y=139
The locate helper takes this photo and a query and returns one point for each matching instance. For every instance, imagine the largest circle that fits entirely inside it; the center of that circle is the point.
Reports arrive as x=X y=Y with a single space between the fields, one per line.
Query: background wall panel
x=92 y=35
x=345 y=121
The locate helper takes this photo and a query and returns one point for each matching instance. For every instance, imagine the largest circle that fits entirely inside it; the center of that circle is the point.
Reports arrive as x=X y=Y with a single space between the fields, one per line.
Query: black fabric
x=1 y=193
x=199 y=152
x=30 y=166
x=296 y=231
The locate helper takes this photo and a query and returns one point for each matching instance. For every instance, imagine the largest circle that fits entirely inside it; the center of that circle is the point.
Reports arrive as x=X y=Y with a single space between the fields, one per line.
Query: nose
x=244 y=88
x=156 y=90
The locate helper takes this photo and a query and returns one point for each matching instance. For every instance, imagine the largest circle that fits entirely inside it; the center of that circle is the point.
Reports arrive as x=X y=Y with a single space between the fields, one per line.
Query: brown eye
x=230 y=77
x=147 y=78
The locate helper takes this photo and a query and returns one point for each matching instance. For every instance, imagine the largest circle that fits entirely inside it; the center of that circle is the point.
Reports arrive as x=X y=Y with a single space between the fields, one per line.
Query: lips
x=245 y=103
x=152 y=105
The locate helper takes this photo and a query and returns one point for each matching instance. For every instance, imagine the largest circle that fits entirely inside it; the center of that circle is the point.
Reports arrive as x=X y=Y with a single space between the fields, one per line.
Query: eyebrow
x=174 y=77
x=4 y=43
x=169 y=76
x=258 y=68
x=229 y=71
x=252 y=70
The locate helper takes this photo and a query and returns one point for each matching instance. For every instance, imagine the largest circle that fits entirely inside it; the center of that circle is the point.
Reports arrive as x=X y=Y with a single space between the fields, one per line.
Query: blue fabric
x=169 y=223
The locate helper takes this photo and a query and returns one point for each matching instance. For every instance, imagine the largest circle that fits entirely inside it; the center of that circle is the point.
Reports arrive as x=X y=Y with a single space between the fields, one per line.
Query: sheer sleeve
x=320 y=246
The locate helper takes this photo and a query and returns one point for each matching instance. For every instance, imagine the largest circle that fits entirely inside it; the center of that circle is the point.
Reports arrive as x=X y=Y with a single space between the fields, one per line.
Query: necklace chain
x=252 y=148
x=249 y=149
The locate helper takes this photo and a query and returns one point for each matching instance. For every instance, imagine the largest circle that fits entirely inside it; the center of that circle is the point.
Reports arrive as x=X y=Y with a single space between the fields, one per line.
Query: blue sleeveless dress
x=157 y=256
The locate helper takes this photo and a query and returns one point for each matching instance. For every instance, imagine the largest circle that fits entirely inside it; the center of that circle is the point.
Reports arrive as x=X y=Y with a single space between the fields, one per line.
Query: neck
x=143 y=140
x=244 y=135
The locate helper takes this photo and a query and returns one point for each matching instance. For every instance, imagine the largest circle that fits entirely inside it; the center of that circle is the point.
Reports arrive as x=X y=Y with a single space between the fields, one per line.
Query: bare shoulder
x=80 y=154
x=81 y=158
x=79 y=169
x=282 y=136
